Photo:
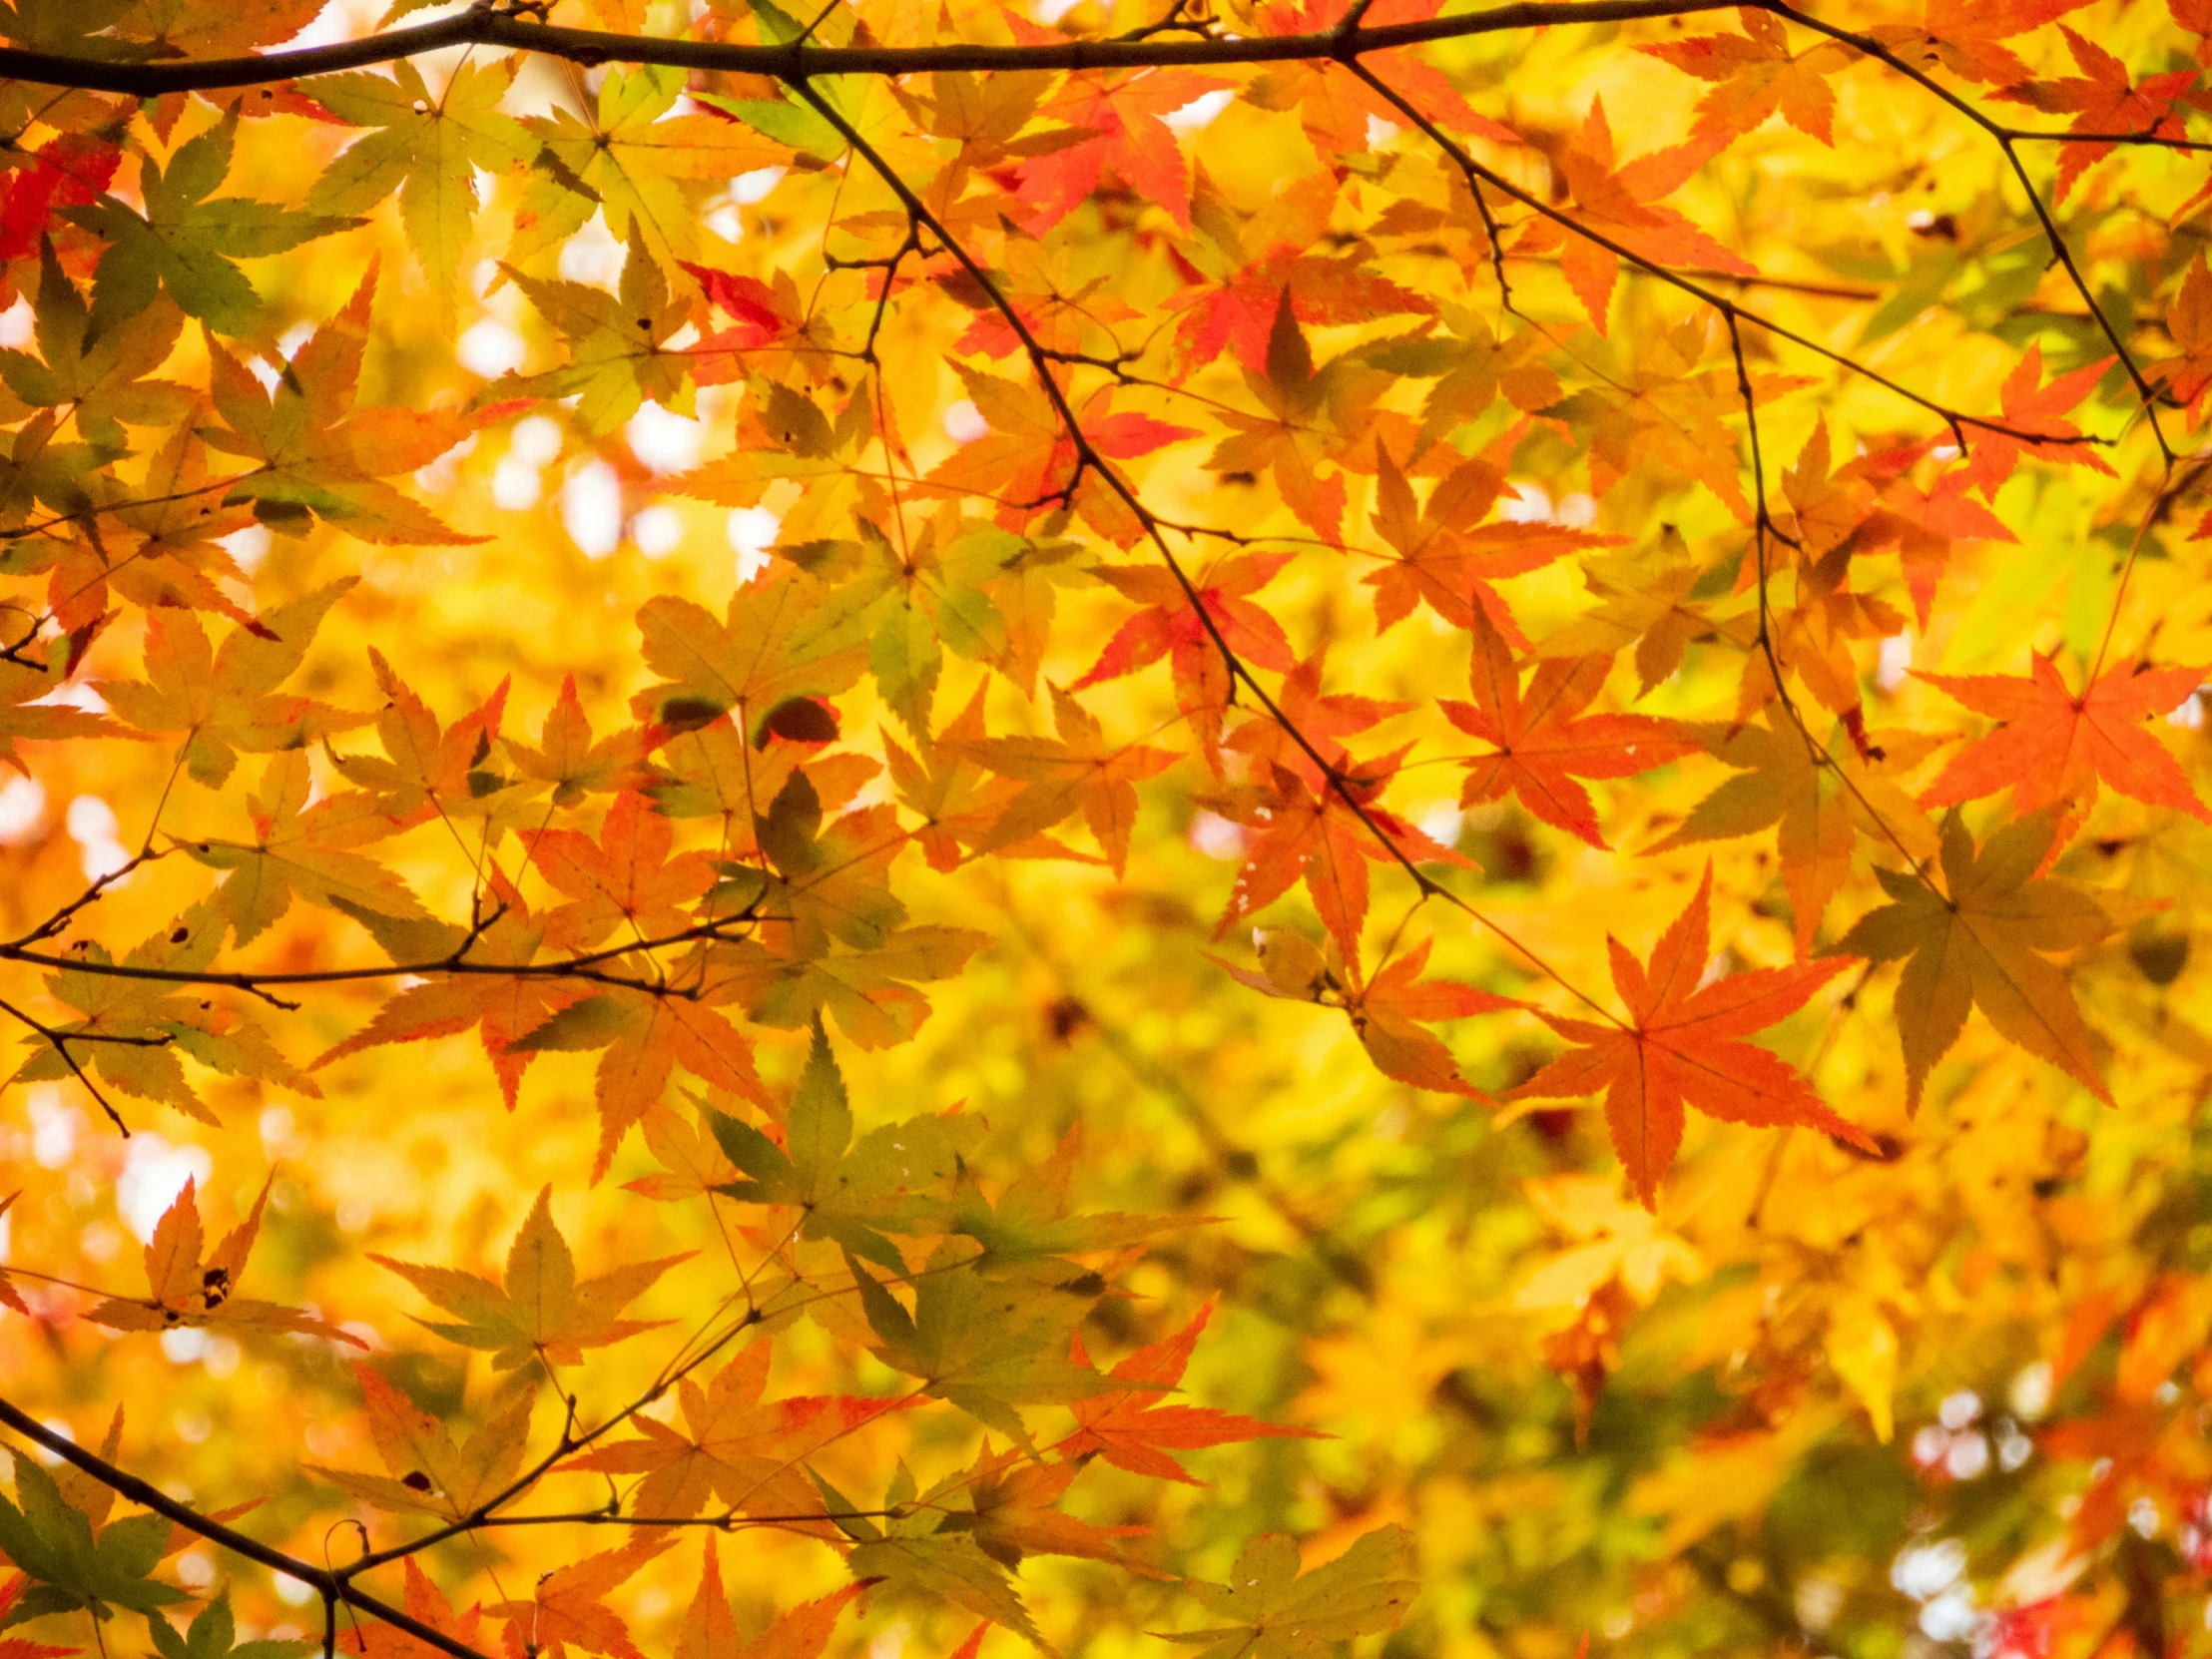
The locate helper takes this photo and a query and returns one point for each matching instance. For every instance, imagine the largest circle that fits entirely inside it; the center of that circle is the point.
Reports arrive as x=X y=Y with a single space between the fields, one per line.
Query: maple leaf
x=960 y=799
x=1306 y=828
x=710 y=1632
x=102 y=379
x=67 y=172
x=1621 y=201
x=134 y=1029
x=429 y=771
x=1964 y=35
x=1335 y=105
x=1541 y=741
x=692 y=1161
x=2030 y=406
x=1307 y=416
x=503 y=1008
x=641 y=1036
x=1028 y=461
x=428 y=148
x=293 y=853
x=1387 y=1013
x=627 y=157
x=576 y=767
x=430 y=1474
x=425 y=1603
x=319 y=455
x=187 y=1291
x=755 y=661
x=1272 y=1609
x=930 y=594
x=617 y=345
x=2103 y=100
x=1014 y=1511
x=2054 y=745
x=568 y=1607
x=986 y=1346
x=164 y=552
x=1682 y=1045
x=212 y=1635
x=2189 y=324
x=1171 y=626
x=892 y=1180
x=224 y=699
x=1812 y=801
x=70 y=1561
x=29 y=675
x=1755 y=76
x=744 y=1452
x=1287 y=244
x=1448 y=556
x=626 y=877
x=1981 y=941
x=1134 y=1429
x=1122 y=113
x=541 y=1311
x=188 y=238
x=1076 y=771
x=1646 y=602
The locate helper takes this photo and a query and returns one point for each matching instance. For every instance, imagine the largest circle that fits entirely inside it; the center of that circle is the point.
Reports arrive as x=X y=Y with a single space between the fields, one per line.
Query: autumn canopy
x=938 y=827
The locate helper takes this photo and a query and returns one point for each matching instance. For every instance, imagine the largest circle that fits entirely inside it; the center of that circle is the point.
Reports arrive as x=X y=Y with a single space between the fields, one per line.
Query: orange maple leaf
x=1755 y=75
x=1962 y=35
x=735 y=1446
x=1132 y=1431
x=2054 y=743
x=570 y=1609
x=2030 y=406
x=1682 y=1046
x=626 y=876
x=1310 y=830
x=1541 y=739
x=1619 y=202
x=2103 y=100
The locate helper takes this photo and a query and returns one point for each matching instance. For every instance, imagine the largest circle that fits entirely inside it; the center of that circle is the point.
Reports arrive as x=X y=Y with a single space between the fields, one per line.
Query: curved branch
x=332 y=1587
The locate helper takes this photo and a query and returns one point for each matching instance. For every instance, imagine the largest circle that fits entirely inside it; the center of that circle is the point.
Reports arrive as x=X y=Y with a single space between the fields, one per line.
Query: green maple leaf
x=628 y=158
x=920 y=1553
x=540 y=1309
x=188 y=238
x=987 y=1345
x=1274 y=1613
x=892 y=1181
x=102 y=379
x=53 y=1543
x=213 y=1635
x=427 y=149
x=911 y=605
x=616 y=359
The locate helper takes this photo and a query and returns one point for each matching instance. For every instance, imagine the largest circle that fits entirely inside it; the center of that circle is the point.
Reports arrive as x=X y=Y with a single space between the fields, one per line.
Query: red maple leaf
x=1682 y=1046
x=1132 y=1431
x=1122 y=112
x=1170 y=626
